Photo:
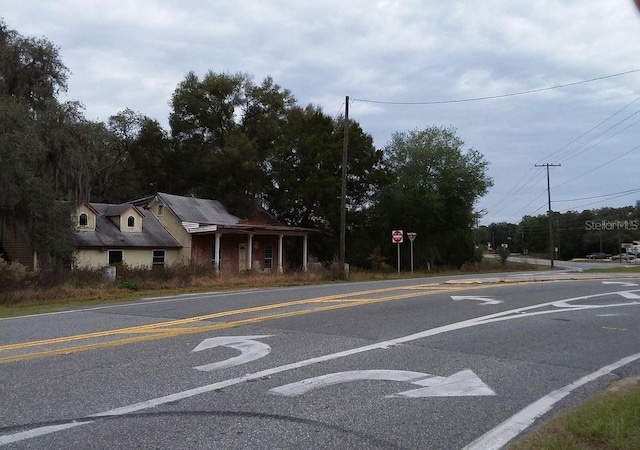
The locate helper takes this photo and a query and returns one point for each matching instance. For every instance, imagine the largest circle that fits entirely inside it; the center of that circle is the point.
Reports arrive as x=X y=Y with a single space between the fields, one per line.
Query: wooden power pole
x=551 y=246
x=343 y=194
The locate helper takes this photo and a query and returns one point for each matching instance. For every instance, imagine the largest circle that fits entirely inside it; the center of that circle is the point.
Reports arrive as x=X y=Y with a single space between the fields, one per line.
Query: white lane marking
x=481 y=298
x=142 y=302
x=516 y=424
x=621 y=283
x=249 y=349
x=629 y=295
x=491 y=318
x=24 y=435
x=463 y=383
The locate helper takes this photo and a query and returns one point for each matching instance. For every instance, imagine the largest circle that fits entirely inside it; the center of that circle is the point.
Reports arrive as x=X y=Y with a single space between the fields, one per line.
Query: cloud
x=134 y=54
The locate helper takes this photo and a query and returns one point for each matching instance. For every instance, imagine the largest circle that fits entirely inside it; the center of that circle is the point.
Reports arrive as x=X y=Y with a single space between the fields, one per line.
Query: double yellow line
x=181 y=326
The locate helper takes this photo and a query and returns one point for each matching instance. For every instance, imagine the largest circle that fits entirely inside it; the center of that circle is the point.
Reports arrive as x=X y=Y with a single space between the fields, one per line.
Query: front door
x=242 y=257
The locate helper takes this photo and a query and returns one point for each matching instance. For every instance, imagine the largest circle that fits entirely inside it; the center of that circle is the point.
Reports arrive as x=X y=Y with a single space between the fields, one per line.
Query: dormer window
x=131 y=221
x=160 y=209
x=83 y=220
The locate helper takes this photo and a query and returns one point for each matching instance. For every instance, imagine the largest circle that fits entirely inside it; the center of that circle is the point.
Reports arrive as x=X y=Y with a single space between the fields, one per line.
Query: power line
x=493 y=97
x=599 y=167
x=590 y=130
x=594 y=203
x=566 y=156
x=629 y=192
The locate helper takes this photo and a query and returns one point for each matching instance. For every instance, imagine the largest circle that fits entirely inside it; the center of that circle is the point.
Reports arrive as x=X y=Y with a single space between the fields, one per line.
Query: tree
x=435 y=185
x=150 y=154
x=305 y=169
x=31 y=69
x=42 y=144
x=222 y=128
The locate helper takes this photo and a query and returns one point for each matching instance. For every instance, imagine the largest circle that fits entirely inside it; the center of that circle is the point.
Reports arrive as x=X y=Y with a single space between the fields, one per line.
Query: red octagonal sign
x=397 y=236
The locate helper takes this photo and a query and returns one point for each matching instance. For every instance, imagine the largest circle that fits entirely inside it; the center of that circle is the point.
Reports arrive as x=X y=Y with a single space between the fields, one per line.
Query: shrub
x=14 y=276
x=131 y=285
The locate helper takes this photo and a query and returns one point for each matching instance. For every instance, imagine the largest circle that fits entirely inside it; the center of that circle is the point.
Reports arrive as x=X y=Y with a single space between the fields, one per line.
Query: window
x=268 y=256
x=83 y=220
x=131 y=221
x=160 y=209
x=158 y=258
x=115 y=257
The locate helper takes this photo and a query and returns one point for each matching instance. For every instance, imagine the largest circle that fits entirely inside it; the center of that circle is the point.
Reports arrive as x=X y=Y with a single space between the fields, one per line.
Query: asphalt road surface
x=413 y=364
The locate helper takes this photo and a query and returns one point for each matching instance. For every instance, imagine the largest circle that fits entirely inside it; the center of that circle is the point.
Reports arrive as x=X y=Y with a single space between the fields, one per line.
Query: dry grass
x=24 y=293
x=54 y=291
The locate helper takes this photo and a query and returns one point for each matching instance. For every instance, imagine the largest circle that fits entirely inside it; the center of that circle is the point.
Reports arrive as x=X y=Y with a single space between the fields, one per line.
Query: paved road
x=574 y=265
x=419 y=364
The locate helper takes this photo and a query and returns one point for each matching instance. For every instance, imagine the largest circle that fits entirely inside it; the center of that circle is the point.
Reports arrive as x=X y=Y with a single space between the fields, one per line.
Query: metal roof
x=198 y=210
x=108 y=235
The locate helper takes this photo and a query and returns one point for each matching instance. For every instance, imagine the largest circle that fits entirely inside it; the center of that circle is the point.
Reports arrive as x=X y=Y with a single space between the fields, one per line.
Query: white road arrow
x=483 y=299
x=464 y=383
x=246 y=345
x=629 y=295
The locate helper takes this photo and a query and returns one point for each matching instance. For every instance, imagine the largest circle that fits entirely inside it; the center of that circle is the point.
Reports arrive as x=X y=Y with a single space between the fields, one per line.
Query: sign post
x=412 y=237
x=397 y=237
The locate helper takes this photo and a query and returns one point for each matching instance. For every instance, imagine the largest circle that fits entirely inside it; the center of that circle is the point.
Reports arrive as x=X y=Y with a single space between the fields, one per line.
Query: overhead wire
x=517 y=190
x=567 y=157
x=627 y=192
x=493 y=97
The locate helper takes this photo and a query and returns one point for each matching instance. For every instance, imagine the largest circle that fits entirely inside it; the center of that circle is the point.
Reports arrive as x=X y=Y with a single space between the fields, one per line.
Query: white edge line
x=496 y=317
x=516 y=424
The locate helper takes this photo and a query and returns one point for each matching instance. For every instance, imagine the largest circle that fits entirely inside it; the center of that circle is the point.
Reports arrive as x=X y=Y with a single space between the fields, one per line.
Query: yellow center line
x=168 y=329
x=154 y=326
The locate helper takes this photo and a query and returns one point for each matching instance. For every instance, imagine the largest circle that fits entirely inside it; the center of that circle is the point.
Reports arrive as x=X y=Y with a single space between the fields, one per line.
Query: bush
x=131 y=285
x=14 y=276
x=504 y=253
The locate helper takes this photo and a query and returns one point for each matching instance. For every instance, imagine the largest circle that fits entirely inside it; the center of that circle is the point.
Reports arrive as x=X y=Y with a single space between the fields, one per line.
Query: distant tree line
x=235 y=140
x=575 y=234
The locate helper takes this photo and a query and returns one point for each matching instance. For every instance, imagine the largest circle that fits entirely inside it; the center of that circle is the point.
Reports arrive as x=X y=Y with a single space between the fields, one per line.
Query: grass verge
x=610 y=420
x=86 y=288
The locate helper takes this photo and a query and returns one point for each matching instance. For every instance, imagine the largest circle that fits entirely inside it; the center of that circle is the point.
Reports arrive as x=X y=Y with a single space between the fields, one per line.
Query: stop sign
x=397 y=236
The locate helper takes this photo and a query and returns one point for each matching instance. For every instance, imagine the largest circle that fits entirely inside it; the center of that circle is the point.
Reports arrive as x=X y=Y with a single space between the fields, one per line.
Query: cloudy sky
x=523 y=82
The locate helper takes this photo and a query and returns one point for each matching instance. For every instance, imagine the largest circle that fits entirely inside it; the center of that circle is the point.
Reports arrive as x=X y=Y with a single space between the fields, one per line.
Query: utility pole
x=550 y=216
x=343 y=194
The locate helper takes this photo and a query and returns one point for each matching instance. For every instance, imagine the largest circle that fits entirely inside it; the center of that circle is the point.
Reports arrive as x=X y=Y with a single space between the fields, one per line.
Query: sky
x=524 y=83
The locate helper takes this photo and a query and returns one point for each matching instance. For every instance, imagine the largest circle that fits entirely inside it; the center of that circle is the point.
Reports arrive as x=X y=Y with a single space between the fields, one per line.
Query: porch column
x=216 y=257
x=305 y=252
x=250 y=252
x=280 y=252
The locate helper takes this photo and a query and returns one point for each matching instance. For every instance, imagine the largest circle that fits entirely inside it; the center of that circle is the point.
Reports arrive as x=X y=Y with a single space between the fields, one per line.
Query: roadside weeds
x=609 y=420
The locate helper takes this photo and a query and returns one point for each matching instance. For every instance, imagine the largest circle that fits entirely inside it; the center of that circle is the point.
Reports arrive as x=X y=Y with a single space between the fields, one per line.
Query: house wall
x=97 y=258
x=137 y=225
x=91 y=218
x=259 y=246
x=174 y=226
x=230 y=251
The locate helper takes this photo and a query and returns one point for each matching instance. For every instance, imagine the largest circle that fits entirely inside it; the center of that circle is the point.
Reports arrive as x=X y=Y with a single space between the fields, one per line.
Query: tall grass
x=610 y=420
x=53 y=287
